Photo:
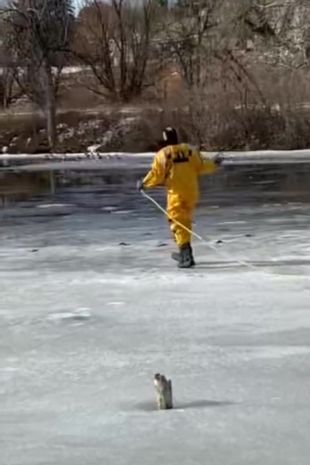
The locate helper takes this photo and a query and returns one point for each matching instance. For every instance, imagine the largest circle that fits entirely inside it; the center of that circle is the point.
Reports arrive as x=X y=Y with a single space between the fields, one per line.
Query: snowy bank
x=97 y=160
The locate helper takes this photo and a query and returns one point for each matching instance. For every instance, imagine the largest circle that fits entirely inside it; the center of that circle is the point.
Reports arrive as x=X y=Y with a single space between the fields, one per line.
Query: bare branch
x=114 y=41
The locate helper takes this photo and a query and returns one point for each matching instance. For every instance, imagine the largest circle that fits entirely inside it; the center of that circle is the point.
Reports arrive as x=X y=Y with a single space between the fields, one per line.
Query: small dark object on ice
x=162 y=244
x=249 y=235
x=125 y=244
x=220 y=241
x=163 y=388
x=35 y=250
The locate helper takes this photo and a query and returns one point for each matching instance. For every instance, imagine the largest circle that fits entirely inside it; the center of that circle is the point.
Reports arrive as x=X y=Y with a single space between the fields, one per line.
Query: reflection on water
x=17 y=187
x=245 y=184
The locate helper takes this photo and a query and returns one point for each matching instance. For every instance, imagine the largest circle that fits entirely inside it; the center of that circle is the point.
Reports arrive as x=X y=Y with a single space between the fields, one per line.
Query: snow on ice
x=86 y=322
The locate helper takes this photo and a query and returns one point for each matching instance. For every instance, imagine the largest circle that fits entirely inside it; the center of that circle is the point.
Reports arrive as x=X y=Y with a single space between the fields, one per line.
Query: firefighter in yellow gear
x=177 y=167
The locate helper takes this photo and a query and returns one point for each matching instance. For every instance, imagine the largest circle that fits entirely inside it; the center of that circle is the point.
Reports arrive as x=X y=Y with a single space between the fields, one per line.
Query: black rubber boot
x=186 y=257
x=177 y=256
x=192 y=256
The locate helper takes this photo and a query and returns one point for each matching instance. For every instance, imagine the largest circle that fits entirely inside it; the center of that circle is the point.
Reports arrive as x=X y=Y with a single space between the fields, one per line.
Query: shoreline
x=108 y=160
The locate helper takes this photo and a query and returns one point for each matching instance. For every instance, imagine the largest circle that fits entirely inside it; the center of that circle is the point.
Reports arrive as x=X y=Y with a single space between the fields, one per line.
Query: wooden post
x=163 y=388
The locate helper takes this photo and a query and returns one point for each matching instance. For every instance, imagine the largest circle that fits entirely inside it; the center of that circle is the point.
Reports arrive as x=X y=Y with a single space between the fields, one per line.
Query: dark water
x=247 y=184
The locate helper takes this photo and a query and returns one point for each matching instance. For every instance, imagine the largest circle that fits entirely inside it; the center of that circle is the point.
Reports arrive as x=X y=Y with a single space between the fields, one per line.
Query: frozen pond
x=92 y=306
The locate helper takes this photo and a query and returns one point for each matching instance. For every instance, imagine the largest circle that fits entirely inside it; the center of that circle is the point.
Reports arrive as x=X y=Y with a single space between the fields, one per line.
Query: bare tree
x=8 y=89
x=7 y=73
x=38 y=34
x=191 y=32
x=114 y=42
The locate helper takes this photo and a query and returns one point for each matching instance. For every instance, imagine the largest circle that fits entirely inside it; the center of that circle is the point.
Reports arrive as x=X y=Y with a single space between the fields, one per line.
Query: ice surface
x=86 y=322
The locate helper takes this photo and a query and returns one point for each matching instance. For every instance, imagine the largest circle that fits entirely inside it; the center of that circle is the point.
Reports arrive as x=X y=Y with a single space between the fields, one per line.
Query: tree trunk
x=50 y=107
x=7 y=83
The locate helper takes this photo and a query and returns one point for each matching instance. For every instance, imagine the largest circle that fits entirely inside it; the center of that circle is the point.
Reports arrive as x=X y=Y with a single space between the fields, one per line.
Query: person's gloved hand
x=140 y=185
x=218 y=159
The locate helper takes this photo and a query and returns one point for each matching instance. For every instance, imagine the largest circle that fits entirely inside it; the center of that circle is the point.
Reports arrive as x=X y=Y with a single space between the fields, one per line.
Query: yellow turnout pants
x=180 y=210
